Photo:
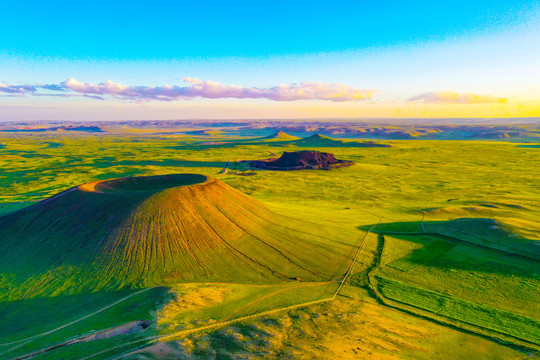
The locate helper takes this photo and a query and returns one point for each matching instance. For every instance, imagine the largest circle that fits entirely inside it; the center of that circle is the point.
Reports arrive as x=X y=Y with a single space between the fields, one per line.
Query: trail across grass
x=25 y=341
x=227 y=321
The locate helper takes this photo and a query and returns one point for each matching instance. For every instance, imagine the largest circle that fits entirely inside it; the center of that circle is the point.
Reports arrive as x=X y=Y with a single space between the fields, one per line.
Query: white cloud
x=215 y=90
x=23 y=89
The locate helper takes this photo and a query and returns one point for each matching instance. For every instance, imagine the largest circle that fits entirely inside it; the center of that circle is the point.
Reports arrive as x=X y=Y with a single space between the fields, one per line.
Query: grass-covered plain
x=411 y=187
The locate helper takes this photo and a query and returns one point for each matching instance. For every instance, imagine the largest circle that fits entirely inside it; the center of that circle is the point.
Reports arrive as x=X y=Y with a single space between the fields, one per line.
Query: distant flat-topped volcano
x=299 y=160
x=318 y=140
x=157 y=230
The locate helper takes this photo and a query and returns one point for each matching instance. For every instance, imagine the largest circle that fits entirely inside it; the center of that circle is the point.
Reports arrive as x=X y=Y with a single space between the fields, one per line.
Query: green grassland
x=450 y=306
x=485 y=264
x=30 y=325
x=203 y=304
x=352 y=327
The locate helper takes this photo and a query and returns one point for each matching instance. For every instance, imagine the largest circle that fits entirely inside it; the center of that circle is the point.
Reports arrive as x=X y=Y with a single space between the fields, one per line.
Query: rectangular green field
x=505 y=322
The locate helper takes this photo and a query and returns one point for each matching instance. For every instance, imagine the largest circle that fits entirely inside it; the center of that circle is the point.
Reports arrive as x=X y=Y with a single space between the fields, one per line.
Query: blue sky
x=398 y=49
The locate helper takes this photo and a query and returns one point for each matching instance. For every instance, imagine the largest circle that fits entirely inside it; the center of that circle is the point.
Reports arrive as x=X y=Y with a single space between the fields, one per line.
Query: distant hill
x=157 y=230
x=90 y=129
x=281 y=136
x=318 y=140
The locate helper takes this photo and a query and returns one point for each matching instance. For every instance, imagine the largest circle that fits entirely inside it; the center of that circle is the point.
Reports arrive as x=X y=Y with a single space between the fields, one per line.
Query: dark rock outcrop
x=302 y=160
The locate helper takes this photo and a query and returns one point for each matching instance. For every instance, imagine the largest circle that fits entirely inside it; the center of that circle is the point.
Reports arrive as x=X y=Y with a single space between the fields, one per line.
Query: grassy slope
x=281 y=136
x=203 y=304
x=347 y=328
x=80 y=240
x=42 y=320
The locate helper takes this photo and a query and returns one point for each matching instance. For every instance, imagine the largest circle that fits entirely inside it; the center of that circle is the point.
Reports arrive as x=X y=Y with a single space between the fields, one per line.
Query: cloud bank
x=449 y=97
x=215 y=90
x=17 y=89
x=195 y=88
x=24 y=89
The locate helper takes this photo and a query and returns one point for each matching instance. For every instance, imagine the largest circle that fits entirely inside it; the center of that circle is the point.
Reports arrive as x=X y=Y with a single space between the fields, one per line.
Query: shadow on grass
x=211 y=145
x=447 y=246
x=21 y=319
x=29 y=154
x=175 y=163
x=107 y=162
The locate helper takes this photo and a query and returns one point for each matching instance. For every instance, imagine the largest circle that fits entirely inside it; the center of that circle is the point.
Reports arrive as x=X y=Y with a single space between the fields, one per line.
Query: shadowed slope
x=155 y=231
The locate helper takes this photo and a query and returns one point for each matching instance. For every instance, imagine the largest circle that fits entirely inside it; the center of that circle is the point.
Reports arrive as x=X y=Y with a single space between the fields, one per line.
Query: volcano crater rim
x=145 y=183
